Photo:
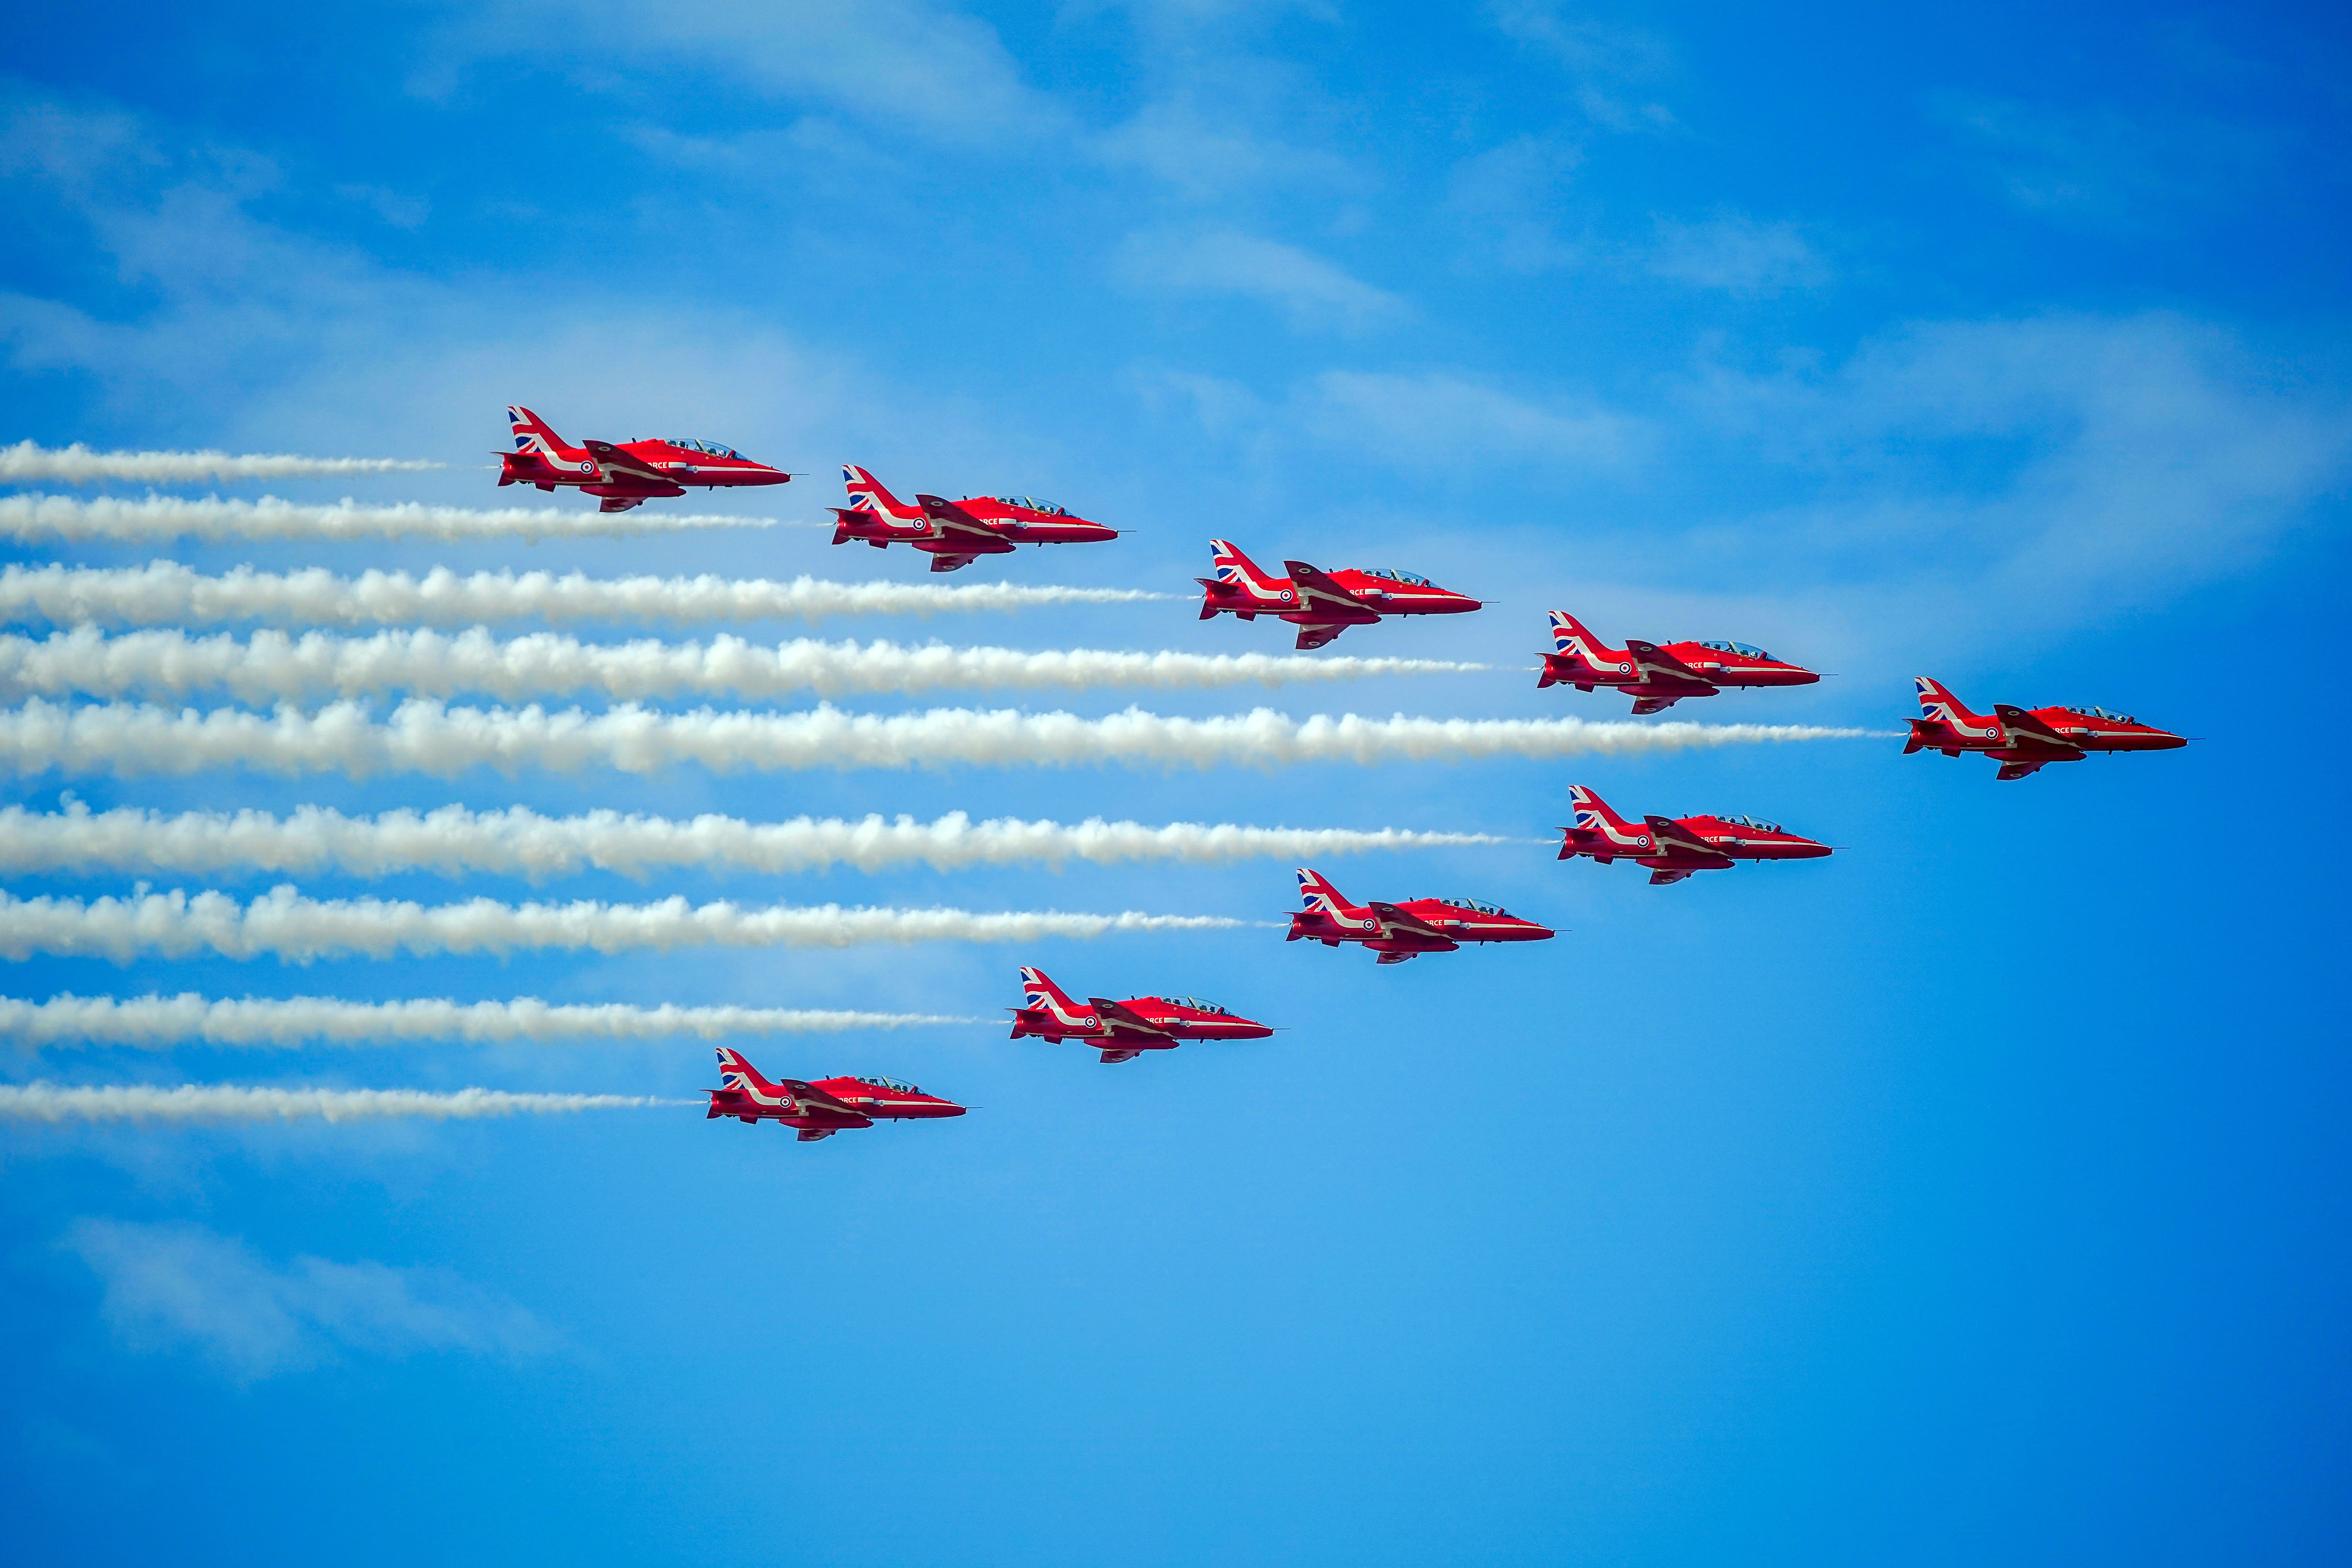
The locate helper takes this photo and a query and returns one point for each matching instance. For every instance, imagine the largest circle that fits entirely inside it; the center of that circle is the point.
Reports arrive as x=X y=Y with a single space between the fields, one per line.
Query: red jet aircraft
x=954 y=533
x=1672 y=847
x=1124 y=1029
x=1657 y=678
x=1321 y=604
x=2022 y=739
x=821 y=1109
x=1399 y=932
x=629 y=473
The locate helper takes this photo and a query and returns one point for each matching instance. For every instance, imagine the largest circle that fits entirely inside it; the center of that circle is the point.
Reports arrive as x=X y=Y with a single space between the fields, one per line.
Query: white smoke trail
x=164 y=593
x=221 y=1102
x=29 y=463
x=156 y=1023
x=273 y=666
x=518 y=842
x=130 y=740
x=30 y=517
x=283 y=924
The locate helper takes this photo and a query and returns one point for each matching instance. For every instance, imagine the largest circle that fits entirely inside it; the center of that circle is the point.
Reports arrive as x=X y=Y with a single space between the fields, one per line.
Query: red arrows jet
x=1672 y=847
x=955 y=532
x=1399 y=932
x=2022 y=739
x=1321 y=604
x=1124 y=1029
x=629 y=473
x=1657 y=678
x=821 y=1109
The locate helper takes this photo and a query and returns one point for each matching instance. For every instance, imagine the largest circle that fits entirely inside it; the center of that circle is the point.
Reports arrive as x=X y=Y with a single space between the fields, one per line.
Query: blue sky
x=1976 y=1194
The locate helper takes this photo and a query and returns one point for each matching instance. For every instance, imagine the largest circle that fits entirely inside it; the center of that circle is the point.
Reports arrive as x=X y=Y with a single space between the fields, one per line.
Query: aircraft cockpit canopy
x=2102 y=714
x=1410 y=579
x=1746 y=650
x=687 y=443
x=1030 y=503
x=1480 y=905
x=1758 y=822
x=889 y=1083
x=1194 y=1002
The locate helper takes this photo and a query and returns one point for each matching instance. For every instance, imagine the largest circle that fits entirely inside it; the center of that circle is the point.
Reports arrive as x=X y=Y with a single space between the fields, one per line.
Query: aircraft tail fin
x=1039 y=992
x=1231 y=566
x=1594 y=815
x=1937 y=703
x=533 y=433
x=1570 y=635
x=867 y=493
x=1317 y=894
x=736 y=1075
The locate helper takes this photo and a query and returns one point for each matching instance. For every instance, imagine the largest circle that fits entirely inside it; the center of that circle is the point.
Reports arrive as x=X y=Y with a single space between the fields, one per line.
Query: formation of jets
x=1321 y=604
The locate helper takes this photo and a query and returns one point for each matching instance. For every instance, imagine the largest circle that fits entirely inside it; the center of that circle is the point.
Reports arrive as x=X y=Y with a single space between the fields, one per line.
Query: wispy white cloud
x=1504 y=204
x=2127 y=458
x=1440 y=419
x=1310 y=291
x=455 y=841
x=1607 y=64
x=158 y=1023
x=908 y=66
x=130 y=740
x=166 y=592
x=27 y=462
x=273 y=666
x=284 y=925
x=1738 y=255
x=1206 y=151
x=173 y=1287
x=2095 y=165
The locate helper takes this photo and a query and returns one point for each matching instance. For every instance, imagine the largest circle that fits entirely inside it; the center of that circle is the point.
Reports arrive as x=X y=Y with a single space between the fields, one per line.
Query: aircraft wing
x=1120 y=1022
x=815 y=1098
x=1686 y=848
x=954 y=523
x=2026 y=731
x=627 y=466
x=1660 y=668
x=1320 y=595
x=1395 y=921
